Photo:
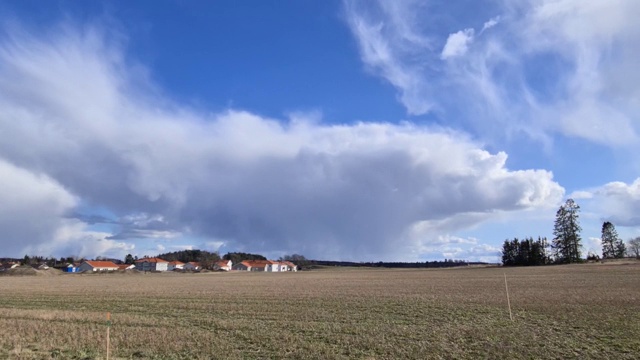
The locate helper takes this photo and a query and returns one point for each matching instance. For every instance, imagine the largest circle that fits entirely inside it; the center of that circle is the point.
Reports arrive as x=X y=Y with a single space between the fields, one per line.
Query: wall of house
x=145 y=266
x=85 y=267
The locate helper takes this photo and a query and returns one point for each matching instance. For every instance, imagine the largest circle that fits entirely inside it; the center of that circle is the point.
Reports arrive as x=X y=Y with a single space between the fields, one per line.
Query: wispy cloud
x=491 y=23
x=394 y=48
x=546 y=67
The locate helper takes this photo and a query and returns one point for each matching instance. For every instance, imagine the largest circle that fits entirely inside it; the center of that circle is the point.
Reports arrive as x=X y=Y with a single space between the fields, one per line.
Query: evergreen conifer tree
x=620 y=249
x=609 y=241
x=566 y=233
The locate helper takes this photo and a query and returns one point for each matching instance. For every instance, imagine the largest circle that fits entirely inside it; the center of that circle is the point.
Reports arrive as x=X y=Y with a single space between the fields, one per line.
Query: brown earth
x=589 y=311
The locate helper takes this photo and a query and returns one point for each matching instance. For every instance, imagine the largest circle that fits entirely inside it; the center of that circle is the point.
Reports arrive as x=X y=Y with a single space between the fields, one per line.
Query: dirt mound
x=20 y=271
x=29 y=271
x=50 y=272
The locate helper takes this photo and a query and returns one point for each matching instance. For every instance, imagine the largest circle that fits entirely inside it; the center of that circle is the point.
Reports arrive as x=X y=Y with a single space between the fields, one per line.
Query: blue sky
x=355 y=130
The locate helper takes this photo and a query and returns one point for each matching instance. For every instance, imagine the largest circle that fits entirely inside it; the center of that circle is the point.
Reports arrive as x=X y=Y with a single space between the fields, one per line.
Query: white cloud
x=33 y=208
x=457 y=44
x=617 y=202
x=552 y=66
x=73 y=238
x=386 y=45
x=581 y=194
x=592 y=245
x=491 y=23
x=73 y=112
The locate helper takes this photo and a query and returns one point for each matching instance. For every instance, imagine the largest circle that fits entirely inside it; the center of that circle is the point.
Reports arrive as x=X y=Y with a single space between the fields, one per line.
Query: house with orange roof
x=175 y=265
x=260 y=265
x=91 y=266
x=288 y=266
x=126 y=267
x=265 y=265
x=152 y=264
x=223 y=265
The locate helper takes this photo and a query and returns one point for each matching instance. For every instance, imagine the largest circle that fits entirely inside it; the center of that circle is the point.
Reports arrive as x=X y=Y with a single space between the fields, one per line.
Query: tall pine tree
x=611 y=242
x=566 y=233
x=620 y=249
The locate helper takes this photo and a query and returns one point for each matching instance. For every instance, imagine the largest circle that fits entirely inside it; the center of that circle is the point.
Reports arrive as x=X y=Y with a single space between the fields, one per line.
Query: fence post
x=508 y=301
x=108 y=327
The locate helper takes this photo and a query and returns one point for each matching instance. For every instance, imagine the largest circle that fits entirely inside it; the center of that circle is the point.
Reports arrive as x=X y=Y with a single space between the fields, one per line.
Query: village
x=156 y=264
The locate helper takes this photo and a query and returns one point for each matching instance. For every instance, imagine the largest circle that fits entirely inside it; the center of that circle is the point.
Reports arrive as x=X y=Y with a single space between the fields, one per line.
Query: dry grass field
x=583 y=311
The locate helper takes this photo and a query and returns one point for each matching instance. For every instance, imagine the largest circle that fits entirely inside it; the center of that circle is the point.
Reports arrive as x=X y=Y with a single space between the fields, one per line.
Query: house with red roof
x=256 y=265
x=288 y=266
x=223 y=265
x=91 y=266
x=265 y=265
x=126 y=267
x=242 y=266
x=152 y=264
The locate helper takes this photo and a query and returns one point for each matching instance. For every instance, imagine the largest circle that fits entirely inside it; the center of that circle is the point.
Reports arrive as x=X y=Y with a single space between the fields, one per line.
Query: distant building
x=175 y=265
x=152 y=264
x=192 y=265
x=97 y=266
x=71 y=268
x=288 y=266
x=223 y=265
x=9 y=265
x=126 y=267
x=265 y=265
x=242 y=266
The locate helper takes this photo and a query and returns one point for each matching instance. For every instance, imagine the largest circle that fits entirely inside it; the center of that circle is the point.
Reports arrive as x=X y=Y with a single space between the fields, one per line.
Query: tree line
x=566 y=246
x=528 y=252
x=397 y=264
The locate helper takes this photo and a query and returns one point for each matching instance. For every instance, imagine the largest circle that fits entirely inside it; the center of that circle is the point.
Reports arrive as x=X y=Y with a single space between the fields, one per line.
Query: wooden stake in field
x=508 y=301
x=108 y=327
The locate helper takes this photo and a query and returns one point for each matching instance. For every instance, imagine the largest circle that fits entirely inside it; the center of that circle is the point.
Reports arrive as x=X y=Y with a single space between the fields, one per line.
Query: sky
x=353 y=130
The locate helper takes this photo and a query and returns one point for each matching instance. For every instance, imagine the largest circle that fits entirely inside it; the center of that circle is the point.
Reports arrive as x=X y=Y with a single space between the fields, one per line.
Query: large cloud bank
x=84 y=133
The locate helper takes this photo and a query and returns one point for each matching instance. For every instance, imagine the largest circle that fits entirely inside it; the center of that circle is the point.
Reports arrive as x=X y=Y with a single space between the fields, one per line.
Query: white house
x=223 y=265
x=261 y=265
x=288 y=266
x=265 y=265
x=97 y=266
x=152 y=264
x=272 y=266
x=175 y=265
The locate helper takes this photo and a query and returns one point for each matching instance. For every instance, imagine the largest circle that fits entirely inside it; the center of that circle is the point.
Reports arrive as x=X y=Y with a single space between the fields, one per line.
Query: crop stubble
x=580 y=311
